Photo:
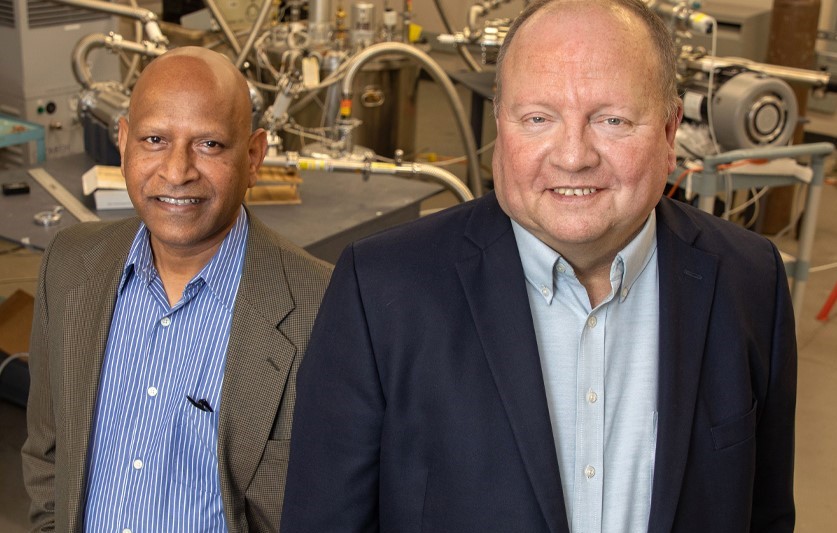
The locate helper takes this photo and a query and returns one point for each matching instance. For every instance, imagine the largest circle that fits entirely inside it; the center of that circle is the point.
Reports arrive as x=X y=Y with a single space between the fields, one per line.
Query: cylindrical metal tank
x=384 y=100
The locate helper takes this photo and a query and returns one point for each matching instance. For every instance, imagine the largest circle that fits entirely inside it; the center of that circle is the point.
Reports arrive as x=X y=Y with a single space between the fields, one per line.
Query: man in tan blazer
x=188 y=156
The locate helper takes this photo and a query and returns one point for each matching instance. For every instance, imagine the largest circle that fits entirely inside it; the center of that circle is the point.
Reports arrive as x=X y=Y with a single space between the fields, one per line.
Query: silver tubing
x=461 y=48
x=225 y=28
x=356 y=63
x=412 y=170
x=81 y=68
x=813 y=78
x=254 y=33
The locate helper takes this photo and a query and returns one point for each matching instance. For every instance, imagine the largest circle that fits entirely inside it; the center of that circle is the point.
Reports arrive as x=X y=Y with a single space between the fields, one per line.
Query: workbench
x=337 y=208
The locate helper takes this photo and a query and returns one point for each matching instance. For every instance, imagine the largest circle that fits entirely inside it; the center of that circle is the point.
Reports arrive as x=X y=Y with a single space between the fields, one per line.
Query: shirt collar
x=215 y=273
x=540 y=261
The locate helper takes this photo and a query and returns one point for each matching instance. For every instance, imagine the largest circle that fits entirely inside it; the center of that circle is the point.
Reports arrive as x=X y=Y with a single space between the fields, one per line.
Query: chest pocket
x=194 y=457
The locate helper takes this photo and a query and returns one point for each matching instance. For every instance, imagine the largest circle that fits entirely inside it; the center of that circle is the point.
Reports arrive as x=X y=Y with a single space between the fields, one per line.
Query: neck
x=177 y=267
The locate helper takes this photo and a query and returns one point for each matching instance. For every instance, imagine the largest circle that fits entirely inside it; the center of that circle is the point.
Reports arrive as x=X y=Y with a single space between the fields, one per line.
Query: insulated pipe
x=461 y=48
x=356 y=63
x=254 y=33
x=438 y=175
x=222 y=23
x=147 y=17
x=81 y=68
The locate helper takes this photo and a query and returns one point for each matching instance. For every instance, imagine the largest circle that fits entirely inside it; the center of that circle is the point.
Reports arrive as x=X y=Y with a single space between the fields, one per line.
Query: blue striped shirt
x=600 y=369
x=153 y=455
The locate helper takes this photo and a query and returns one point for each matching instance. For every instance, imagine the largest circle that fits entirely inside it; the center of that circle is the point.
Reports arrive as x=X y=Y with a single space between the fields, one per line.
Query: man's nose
x=179 y=167
x=575 y=149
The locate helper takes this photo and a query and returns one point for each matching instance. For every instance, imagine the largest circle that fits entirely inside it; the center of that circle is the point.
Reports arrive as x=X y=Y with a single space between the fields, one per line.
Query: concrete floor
x=816 y=456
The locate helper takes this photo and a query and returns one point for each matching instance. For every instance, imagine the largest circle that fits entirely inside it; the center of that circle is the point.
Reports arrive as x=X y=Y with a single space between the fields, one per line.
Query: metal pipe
x=147 y=17
x=438 y=175
x=133 y=68
x=81 y=68
x=461 y=48
x=319 y=12
x=254 y=33
x=222 y=23
x=815 y=79
x=474 y=13
x=356 y=63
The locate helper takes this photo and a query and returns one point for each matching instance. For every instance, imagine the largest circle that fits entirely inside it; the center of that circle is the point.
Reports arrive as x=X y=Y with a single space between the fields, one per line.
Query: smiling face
x=583 y=145
x=188 y=155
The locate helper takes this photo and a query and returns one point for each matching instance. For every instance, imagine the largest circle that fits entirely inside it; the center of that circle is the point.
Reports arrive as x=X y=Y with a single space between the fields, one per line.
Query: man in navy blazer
x=444 y=389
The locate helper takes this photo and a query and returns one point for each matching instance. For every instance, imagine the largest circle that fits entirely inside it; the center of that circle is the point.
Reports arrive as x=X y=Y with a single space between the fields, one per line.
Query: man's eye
x=153 y=139
x=212 y=144
x=613 y=121
x=537 y=120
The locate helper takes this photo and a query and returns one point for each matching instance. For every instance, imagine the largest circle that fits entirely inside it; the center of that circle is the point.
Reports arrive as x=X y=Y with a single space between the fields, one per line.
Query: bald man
x=165 y=347
x=569 y=353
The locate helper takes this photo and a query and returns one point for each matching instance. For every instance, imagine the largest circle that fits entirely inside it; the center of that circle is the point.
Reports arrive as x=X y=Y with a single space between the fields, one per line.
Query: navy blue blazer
x=421 y=405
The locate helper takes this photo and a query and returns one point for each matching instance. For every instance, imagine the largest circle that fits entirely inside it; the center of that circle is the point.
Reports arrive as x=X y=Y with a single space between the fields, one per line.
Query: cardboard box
x=16 y=322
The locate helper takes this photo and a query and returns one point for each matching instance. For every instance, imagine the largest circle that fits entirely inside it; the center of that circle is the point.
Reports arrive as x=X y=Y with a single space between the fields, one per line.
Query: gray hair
x=657 y=29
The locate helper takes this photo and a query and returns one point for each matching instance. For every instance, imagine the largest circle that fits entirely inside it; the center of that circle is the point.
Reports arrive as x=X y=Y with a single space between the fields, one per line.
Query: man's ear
x=256 y=151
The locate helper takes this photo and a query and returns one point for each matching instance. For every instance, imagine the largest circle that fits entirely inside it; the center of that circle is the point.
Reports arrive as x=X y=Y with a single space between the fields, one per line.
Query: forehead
x=580 y=46
x=172 y=82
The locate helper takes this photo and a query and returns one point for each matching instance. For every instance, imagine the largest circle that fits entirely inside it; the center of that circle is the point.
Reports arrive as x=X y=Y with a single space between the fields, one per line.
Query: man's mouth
x=178 y=201
x=567 y=191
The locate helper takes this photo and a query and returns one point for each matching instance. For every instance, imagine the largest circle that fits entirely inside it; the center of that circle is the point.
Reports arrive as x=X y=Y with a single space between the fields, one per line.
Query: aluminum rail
x=818 y=153
x=411 y=170
x=356 y=63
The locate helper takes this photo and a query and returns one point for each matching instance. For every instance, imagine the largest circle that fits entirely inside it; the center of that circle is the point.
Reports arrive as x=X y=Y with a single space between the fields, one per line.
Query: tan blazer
x=277 y=301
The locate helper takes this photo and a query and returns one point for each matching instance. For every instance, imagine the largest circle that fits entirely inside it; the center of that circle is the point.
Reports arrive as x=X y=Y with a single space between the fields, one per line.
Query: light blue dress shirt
x=600 y=369
x=153 y=454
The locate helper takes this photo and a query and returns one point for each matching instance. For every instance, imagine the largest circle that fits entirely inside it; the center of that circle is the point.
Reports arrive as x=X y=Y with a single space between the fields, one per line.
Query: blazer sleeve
x=38 y=452
x=332 y=481
x=773 y=504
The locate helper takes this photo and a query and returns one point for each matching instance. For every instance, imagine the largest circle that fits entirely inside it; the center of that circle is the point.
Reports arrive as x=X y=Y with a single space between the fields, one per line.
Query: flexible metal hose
x=356 y=63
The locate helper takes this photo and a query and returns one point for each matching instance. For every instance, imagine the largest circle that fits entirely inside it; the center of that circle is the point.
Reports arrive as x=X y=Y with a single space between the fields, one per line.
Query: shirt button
x=561 y=268
x=591 y=322
x=624 y=293
x=166 y=321
x=592 y=397
x=137 y=464
x=126 y=530
x=152 y=391
x=589 y=472
x=545 y=291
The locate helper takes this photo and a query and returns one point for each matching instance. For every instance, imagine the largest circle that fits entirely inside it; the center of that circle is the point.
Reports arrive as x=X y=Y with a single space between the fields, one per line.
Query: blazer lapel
x=495 y=288
x=687 y=283
x=87 y=316
x=259 y=360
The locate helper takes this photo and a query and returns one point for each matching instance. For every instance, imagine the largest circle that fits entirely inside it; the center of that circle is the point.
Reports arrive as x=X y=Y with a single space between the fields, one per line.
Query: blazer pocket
x=735 y=431
x=267 y=490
